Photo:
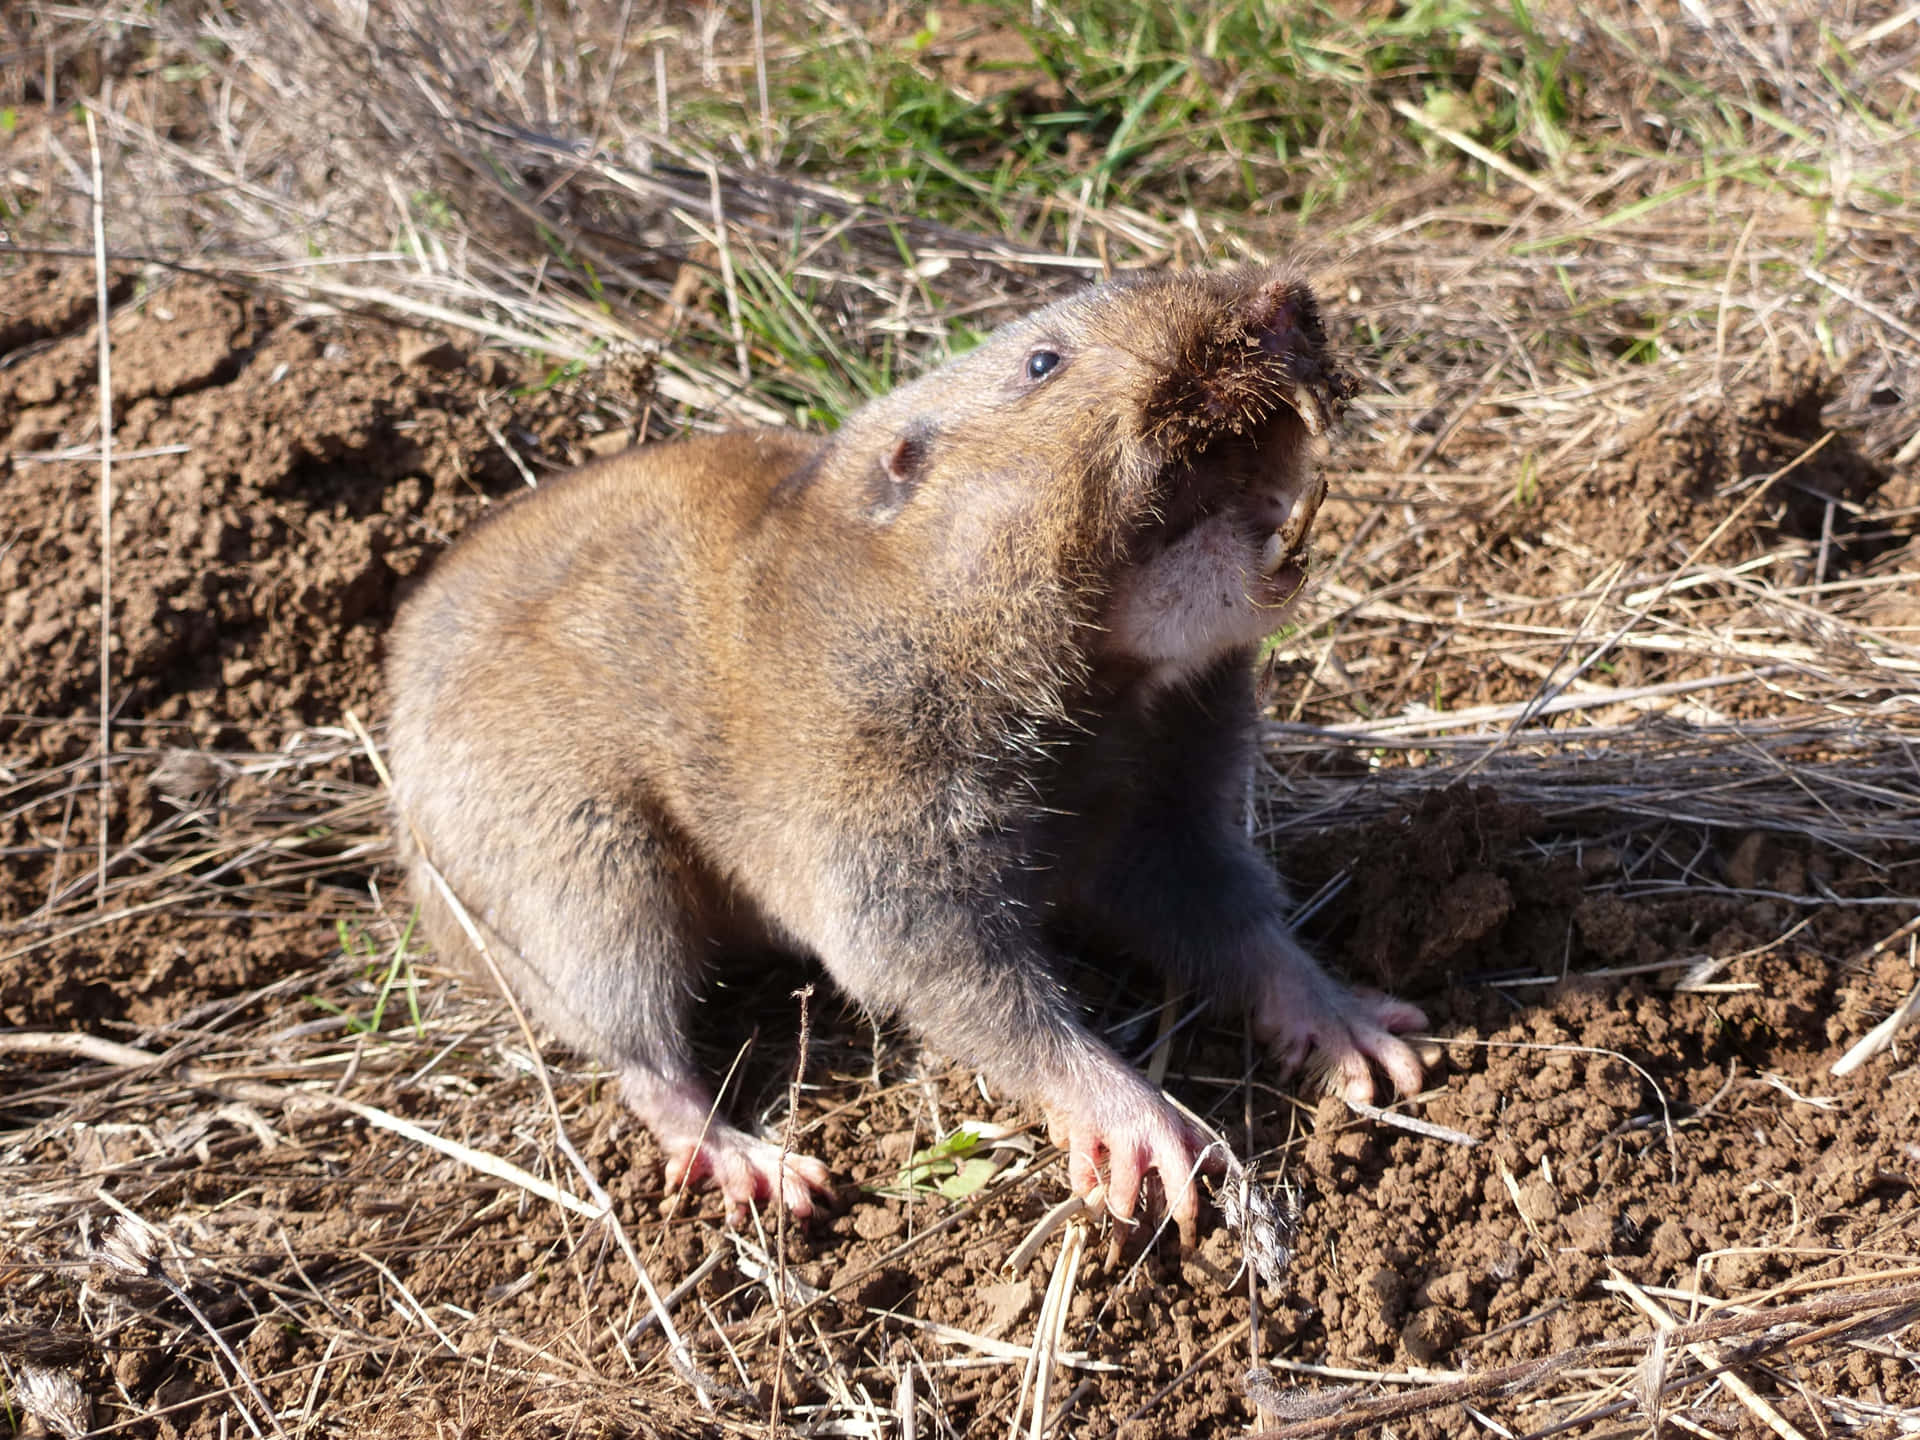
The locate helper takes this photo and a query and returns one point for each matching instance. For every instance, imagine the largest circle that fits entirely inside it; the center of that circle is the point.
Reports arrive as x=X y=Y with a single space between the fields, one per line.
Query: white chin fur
x=1193 y=602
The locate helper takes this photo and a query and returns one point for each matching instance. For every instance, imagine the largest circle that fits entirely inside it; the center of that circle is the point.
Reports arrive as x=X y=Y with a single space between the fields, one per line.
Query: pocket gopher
x=925 y=699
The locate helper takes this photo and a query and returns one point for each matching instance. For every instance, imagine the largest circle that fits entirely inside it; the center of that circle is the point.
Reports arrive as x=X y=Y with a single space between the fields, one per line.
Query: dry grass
x=1629 y=225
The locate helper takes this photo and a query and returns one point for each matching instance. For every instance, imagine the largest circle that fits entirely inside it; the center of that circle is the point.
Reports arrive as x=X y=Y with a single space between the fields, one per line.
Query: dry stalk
x=1665 y=1325
x=104 y=382
x=1894 y=1305
x=782 y=1282
x=133 y=1248
x=109 y=1052
x=1037 y=1377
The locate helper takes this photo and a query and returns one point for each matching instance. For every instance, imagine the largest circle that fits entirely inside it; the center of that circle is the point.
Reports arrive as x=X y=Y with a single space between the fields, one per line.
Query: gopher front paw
x=747 y=1172
x=1116 y=1138
x=1309 y=1020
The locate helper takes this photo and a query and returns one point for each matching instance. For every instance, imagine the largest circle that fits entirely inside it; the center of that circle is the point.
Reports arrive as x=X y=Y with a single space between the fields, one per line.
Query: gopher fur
x=925 y=699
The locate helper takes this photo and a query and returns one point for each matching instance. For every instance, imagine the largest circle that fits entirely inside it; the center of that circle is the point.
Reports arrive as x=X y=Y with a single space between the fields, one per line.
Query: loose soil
x=280 y=479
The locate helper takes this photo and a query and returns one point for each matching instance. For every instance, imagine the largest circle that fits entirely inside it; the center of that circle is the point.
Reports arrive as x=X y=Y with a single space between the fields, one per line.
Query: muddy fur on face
x=926 y=699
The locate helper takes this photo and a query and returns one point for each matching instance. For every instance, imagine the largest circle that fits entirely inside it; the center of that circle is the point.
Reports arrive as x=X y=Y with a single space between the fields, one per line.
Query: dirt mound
x=1678 y=470
x=1433 y=885
x=275 y=486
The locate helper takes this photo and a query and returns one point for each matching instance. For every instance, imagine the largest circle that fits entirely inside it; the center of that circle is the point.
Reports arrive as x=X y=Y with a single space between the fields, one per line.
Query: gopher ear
x=902 y=470
x=907 y=461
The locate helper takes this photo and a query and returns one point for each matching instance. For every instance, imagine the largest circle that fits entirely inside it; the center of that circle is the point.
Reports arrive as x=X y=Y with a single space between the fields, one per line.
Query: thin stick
x=760 y=79
x=660 y=90
x=727 y=281
x=1047 y=1342
x=98 y=1048
x=1036 y=1376
x=780 y=1290
x=1885 y=943
x=134 y=1247
x=1878 y=1038
x=106 y=505
x=1726 y=298
x=1497 y=163
x=1264 y=1418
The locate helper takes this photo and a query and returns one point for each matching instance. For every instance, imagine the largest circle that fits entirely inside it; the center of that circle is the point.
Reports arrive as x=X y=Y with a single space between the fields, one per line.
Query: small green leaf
x=968 y=1176
x=956 y=1167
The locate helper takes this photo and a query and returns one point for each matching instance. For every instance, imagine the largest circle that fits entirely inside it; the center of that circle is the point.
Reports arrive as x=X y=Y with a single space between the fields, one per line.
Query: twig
x=105 y=386
x=111 y=1052
x=1878 y=1038
x=1412 y=1124
x=1854 y=297
x=1885 y=943
x=1024 y=1254
x=728 y=281
x=760 y=83
x=780 y=1290
x=1535 y=708
x=1726 y=296
x=1038 y=1376
x=133 y=1247
x=678 y=1293
x=1495 y=162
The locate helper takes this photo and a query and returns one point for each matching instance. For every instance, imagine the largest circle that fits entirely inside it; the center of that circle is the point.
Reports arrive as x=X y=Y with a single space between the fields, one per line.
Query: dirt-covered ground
x=1600 y=745
x=280 y=480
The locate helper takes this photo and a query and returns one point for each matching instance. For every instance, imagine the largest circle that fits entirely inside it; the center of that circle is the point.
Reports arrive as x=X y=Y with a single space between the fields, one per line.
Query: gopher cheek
x=1199 y=599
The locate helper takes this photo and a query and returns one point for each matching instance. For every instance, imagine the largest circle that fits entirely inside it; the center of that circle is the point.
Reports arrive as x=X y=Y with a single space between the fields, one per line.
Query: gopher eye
x=1042 y=363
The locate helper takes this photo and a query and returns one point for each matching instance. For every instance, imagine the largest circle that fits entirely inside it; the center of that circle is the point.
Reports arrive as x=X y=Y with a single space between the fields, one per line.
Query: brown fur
x=918 y=700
